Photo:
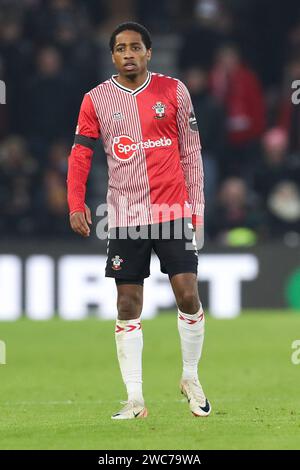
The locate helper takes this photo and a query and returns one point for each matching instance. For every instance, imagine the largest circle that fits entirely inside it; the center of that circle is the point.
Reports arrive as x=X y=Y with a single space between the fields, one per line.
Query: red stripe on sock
x=190 y=321
x=128 y=328
x=118 y=329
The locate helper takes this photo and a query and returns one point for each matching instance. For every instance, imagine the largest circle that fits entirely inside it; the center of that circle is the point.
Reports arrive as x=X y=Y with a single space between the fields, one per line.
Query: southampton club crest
x=116 y=263
x=159 y=109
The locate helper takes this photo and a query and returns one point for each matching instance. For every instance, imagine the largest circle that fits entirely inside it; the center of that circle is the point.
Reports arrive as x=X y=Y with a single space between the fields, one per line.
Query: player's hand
x=79 y=222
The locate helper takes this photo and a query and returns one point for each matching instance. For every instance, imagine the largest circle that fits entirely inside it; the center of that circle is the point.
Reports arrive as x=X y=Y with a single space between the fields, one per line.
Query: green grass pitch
x=61 y=383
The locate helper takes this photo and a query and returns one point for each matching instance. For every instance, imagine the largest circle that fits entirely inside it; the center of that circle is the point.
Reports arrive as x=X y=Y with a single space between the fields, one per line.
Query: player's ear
x=112 y=58
x=149 y=54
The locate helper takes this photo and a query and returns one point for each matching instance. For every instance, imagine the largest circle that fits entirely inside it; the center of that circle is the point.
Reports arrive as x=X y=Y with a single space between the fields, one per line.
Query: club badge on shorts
x=116 y=263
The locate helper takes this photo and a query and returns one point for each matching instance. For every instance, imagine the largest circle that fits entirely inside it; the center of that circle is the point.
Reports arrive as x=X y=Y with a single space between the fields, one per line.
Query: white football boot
x=192 y=390
x=131 y=410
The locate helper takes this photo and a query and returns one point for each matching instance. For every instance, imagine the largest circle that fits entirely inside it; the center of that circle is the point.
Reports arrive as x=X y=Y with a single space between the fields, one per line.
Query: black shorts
x=128 y=259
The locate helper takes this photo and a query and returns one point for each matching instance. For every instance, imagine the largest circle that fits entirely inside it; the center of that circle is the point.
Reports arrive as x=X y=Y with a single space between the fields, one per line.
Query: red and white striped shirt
x=153 y=150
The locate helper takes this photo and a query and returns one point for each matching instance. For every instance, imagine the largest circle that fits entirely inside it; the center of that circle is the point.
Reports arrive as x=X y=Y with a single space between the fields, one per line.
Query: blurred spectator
x=18 y=187
x=276 y=182
x=210 y=117
x=80 y=56
x=118 y=12
x=49 y=106
x=56 y=211
x=293 y=39
x=275 y=165
x=98 y=12
x=205 y=34
x=271 y=21
x=155 y=15
x=239 y=90
x=43 y=17
x=234 y=208
x=289 y=117
x=284 y=210
x=208 y=25
x=16 y=57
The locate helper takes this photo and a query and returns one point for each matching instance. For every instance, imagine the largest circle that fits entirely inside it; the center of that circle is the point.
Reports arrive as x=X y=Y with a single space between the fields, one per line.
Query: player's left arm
x=191 y=159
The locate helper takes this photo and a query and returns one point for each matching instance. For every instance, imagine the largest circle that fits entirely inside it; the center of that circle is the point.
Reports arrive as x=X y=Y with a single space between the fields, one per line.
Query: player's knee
x=188 y=302
x=129 y=306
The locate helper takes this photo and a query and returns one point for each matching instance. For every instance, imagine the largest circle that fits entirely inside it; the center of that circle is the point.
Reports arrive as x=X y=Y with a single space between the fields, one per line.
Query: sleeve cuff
x=80 y=209
x=197 y=220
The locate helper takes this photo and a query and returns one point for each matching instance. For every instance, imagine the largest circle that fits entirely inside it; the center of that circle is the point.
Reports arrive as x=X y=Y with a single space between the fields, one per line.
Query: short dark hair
x=131 y=26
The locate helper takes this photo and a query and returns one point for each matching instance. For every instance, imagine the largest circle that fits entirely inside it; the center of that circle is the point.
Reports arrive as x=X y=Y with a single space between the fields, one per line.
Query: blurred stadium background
x=239 y=59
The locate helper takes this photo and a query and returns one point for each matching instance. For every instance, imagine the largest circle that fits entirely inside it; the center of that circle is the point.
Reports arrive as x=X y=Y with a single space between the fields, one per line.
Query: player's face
x=130 y=55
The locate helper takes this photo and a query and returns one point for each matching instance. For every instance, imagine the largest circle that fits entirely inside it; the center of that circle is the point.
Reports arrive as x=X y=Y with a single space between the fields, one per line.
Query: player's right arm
x=79 y=165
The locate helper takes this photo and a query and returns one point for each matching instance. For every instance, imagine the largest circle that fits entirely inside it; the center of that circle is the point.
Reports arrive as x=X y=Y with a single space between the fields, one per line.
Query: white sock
x=129 y=341
x=191 y=331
